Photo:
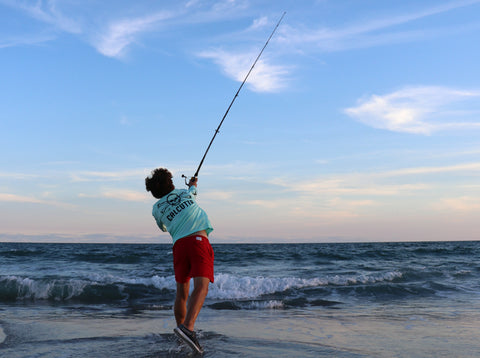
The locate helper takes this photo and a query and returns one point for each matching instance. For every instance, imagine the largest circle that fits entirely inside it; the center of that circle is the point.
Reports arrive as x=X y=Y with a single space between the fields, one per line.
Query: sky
x=360 y=122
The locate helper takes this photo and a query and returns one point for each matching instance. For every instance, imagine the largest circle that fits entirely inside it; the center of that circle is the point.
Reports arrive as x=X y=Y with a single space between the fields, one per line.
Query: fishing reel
x=187 y=182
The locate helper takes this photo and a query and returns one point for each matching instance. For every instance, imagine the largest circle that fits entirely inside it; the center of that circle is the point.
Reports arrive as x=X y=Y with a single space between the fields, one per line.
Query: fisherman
x=177 y=212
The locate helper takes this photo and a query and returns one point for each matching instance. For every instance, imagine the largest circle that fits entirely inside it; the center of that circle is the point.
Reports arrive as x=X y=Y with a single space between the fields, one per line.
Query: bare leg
x=180 y=307
x=195 y=303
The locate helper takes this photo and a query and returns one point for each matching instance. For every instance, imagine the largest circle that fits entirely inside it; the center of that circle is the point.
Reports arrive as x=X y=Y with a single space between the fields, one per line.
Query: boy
x=177 y=212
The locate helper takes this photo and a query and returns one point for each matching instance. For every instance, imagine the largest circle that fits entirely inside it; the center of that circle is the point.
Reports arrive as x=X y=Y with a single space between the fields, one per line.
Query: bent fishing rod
x=233 y=100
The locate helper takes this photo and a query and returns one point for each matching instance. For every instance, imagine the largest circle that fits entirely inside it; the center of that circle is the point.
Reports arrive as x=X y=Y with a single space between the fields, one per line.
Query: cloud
x=374 y=32
x=265 y=77
x=335 y=197
x=12 y=198
x=217 y=195
x=111 y=41
x=112 y=36
x=370 y=185
x=119 y=194
x=18 y=176
x=126 y=195
x=352 y=185
x=419 y=110
x=21 y=40
x=93 y=176
x=461 y=204
x=260 y=23
x=46 y=12
x=122 y=33
x=458 y=168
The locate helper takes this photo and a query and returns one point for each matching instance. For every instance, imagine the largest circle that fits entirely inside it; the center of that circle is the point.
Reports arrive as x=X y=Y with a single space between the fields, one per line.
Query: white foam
x=231 y=287
x=31 y=289
x=272 y=304
x=3 y=336
x=364 y=279
x=228 y=286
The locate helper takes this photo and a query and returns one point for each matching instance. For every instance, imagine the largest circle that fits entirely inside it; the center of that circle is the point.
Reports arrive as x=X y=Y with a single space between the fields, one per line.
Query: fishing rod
x=233 y=100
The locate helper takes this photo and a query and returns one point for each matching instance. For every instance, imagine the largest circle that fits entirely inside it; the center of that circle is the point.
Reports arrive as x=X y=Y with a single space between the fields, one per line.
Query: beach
x=309 y=300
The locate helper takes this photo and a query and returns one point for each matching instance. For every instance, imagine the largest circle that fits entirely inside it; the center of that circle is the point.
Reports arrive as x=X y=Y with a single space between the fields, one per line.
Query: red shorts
x=192 y=257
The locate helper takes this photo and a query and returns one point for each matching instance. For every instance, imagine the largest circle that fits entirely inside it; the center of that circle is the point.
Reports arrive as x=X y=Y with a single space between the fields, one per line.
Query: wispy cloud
x=458 y=168
x=371 y=183
x=348 y=195
x=119 y=194
x=122 y=33
x=113 y=35
x=260 y=23
x=21 y=40
x=13 y=198
x=461 y=204
x=373 y=32
x=47 y=12
x=22 y=199
x=419 y=110
x=111 y=39
x=351 y=185
x=265 y=77
x=18 y=176
x=127 y=195
x=86 y=176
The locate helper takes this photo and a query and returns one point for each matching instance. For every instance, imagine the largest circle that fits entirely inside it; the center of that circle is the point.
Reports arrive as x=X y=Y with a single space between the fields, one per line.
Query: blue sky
x=359 y=123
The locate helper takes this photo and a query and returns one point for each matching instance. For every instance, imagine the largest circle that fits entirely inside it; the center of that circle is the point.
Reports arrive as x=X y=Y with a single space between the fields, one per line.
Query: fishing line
x=234 y=98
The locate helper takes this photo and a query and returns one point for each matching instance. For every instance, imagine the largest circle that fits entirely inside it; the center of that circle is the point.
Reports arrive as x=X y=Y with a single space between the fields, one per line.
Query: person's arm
x=192 y=186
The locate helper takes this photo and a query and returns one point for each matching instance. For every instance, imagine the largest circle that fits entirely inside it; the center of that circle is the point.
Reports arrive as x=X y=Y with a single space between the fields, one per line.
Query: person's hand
x=193 y=181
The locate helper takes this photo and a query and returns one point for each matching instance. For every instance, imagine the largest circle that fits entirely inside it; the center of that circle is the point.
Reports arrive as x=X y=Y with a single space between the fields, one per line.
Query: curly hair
x=159 y=183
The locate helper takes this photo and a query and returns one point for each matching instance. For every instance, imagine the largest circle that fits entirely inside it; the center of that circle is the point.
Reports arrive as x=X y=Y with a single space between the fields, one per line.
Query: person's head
x=159 y=183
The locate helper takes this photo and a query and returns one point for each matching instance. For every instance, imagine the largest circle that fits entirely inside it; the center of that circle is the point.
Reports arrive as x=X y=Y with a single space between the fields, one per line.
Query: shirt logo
x=174 y=199
x=174 y=203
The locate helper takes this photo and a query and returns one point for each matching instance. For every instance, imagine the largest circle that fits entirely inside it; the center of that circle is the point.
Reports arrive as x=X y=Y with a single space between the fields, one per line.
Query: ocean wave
x=96 y=287
x=14 y=288
x=247 y=305
x=21 y=252
x=86 y=253
x=23 y=288
x=3 y=336
x=365 y=279
x=228 y=286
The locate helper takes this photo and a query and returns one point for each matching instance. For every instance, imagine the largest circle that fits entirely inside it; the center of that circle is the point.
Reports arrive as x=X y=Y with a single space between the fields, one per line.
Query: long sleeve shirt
x=180 y=215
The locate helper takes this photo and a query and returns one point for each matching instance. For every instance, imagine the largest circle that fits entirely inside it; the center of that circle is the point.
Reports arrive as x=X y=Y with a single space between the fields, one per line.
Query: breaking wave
x=105 y=289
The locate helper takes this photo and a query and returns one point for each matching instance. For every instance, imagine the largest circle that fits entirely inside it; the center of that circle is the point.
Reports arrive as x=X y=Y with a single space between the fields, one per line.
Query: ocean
x=415 y=299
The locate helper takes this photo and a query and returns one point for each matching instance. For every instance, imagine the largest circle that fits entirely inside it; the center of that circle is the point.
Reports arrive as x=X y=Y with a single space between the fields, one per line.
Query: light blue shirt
x=179 y=214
